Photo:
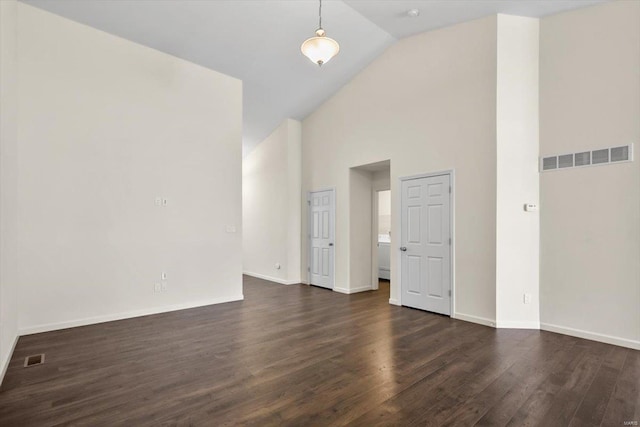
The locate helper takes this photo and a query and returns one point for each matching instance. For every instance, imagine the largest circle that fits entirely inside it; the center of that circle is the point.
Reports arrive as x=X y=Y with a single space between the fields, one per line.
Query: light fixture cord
x=320 y=16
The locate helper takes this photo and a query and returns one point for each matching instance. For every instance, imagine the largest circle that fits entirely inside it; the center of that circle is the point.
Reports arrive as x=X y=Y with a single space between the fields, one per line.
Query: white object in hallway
x=426 y=244
x=321 y=238
x=384 y=259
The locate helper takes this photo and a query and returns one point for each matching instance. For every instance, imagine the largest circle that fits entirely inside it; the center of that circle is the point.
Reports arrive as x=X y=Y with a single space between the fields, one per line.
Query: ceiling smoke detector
x=413 y=13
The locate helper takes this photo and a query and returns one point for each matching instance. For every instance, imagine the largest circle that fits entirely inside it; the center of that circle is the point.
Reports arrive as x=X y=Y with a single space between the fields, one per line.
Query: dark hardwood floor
x=303 y=356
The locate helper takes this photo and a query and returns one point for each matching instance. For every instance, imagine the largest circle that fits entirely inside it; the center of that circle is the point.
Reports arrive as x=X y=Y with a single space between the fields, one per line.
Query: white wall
x=294 y=189
x=384 y=212
x=105 y=126
x=517 y=231
x=361 y=228
x=8 y=176
x=382 y=181
x=428 y=104
x=384 y=202
x=590 y=217
x=271 y=192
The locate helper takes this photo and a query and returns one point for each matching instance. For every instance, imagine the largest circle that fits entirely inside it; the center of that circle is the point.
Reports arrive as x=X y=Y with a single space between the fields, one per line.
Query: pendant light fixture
x=320 y=49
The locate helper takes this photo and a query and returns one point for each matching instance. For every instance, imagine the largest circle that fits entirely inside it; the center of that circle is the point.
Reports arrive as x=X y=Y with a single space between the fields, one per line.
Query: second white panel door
x=321 y=220
x=425 y=244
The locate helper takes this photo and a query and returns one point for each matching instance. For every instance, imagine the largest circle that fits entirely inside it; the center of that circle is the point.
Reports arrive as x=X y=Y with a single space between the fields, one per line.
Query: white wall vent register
x=565 y=161
x=583 y=159
x=602 y=156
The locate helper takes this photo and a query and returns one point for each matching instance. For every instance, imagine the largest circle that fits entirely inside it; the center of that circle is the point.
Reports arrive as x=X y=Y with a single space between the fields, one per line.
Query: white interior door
x=426 y=244
x=321 y=238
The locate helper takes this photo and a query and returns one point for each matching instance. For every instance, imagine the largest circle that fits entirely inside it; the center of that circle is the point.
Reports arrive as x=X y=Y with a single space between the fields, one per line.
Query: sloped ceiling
x=258 y=41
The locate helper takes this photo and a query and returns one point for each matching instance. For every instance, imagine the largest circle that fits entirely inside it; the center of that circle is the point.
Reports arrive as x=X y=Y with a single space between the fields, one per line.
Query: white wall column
x=517 y=231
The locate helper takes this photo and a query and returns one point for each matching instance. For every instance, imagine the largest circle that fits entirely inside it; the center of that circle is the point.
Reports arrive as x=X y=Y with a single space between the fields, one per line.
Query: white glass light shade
x=320 y=49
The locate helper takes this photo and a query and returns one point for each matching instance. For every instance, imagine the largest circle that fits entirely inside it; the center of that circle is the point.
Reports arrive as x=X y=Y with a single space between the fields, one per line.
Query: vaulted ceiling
x=258 y=41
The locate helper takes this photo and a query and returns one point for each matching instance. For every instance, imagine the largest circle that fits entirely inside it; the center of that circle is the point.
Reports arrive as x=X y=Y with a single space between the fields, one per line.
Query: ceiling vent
x=601 y=156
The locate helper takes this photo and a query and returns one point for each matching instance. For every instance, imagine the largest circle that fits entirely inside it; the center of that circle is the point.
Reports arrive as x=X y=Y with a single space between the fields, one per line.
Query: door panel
x=434 y=220
x=425 y=240
x=414 y=273
x=325 y=224
x=322 y=214
x=315 y=265
x=414 y=215
x=434 y=279
x=325 y=262
x=316 y=225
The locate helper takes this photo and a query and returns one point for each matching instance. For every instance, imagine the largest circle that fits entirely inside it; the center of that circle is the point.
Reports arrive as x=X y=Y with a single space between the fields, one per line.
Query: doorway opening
x=370 y=228
x=382 y=198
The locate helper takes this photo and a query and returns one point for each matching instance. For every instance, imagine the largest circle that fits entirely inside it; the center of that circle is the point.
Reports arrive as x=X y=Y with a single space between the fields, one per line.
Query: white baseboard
x=608 y=339
x=126 y=315
x=352 y=291
x=508 y=324
x=393 y=301
x=475 y=319
x=272 y=279
x=5 y=363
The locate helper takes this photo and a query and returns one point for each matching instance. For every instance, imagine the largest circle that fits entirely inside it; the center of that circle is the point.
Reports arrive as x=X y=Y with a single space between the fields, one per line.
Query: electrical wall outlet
x=164 y=286
x=157 y=287
x=526 y=298
x=277 y=266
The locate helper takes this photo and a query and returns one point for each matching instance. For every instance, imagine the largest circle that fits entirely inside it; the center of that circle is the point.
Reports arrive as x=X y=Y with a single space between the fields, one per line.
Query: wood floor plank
x=592 y=408
x=300 y=355
x=624 y=405
x=549 y=361
x=507 y=390
x=541 y=405
x=447 y=386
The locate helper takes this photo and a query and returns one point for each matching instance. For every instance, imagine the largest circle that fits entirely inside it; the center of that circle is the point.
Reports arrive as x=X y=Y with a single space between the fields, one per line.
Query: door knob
x=403 y=248
x=330 y=244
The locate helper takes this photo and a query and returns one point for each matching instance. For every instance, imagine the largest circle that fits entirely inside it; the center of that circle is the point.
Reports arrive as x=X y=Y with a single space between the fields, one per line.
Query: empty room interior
x=310 y=213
